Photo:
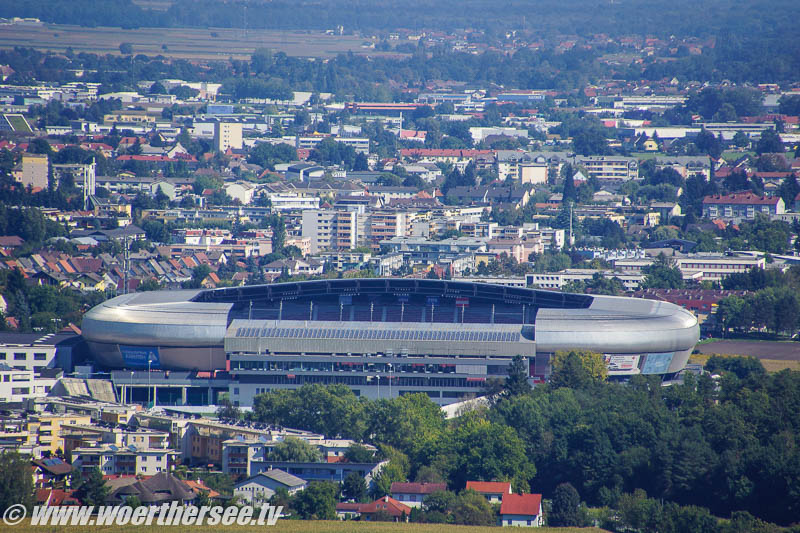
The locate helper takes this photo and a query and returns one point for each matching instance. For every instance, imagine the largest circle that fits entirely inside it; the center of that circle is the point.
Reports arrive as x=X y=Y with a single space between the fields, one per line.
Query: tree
x=472 y=508
x=295 y=449
x=354 y=487
x=566 y=504
x=16 y=483
x=358 y=453
x=769 y=142
x=517 y=380
x=126 y=49
x=40 y=146
x=662 y=274
x=157 y=88
x=226 y=410
x=569 y=193
x=93 y=490
x=317 y=501
x=577 y=368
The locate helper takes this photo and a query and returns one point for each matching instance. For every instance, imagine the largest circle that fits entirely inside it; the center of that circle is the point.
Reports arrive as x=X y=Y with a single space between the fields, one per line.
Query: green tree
x=354 y=487
x=226 y=410
x=472 y=508
x=93 y=490
x=295 y=449
x=16 y=483
x=358 y=453
x=517 y=379
x=317 y=501
x=769 y=142
x=577 y=368
x=662 y=274
x=566 y=504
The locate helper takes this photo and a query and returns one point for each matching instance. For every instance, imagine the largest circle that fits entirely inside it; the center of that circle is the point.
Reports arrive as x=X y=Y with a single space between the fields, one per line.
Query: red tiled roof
x=440 y=152
x=56 y=497
x=740 y=199
x=416 y=488
x=491 y=487
x=521 y=504
x=386 y=504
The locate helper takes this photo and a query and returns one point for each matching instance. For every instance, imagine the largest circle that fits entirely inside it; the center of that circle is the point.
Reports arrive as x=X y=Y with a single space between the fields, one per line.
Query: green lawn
x=292 y=526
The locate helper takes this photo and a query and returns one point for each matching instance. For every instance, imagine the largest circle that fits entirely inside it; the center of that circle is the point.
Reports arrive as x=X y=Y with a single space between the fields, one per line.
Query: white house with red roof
x=522 y=510
x=494 y=491
x=741 y=206
x=413 y=494
x=386 y=505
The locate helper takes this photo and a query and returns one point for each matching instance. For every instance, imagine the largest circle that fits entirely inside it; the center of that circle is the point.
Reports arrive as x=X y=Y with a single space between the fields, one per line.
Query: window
x=20 y=356
x=2 y=356
x=40 y=357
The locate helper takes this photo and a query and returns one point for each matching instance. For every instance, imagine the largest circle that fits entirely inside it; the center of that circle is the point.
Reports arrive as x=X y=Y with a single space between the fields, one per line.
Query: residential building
x=521 y=510
x=262 y=487
x=128 y=460
x=160 y=489
x=33 y=171
x=610 y=168
x=227 y=135
x=741 y=206
x=48 y=429
x=18 y=385
x=703 y=266
x=330 y=229
x=398 y=511
x=494 y=491
x=289 y=201
x=414 y=494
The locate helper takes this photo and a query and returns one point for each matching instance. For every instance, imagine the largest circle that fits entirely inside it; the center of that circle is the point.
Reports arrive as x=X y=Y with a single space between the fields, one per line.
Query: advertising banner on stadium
x=657 y=363
x=622 y=364
x=138 y=356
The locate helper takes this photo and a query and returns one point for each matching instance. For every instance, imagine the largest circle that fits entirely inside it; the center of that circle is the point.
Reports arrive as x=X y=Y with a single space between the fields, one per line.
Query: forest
x=726 y=444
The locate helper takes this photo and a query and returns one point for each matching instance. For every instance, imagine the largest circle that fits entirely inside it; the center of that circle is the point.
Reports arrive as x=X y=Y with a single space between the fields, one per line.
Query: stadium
x=441 y=337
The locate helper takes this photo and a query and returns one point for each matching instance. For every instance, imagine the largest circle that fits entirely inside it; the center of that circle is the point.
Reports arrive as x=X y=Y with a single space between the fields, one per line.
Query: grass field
x=770 y=365
x=184 y=43
x=293 y=526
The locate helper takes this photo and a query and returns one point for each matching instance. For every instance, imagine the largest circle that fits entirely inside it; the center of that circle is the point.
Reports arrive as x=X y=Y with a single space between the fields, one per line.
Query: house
x=386 y=505
x=56 y=497
x=414 y=494
x=494 y=491
x=738 y=206
x=51 y=471
x=161 y=488
x=293 y=267
x=521 y=510
x=262 y=486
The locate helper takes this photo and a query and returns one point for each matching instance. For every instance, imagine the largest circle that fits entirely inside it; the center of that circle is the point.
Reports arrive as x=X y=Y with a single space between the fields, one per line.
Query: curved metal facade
x=187 y=329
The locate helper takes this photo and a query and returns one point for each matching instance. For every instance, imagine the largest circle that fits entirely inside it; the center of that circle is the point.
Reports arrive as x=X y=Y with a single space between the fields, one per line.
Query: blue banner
x=657 y=363
x=138 y=356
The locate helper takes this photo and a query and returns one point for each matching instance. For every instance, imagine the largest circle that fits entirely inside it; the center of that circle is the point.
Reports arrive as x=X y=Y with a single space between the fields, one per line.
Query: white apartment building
x=557 y=280
x=19 y=385
x=288 y=201
x=699 y=266
x=227 y=135
x=612 y=168
x=330 y=229
x=128 y=460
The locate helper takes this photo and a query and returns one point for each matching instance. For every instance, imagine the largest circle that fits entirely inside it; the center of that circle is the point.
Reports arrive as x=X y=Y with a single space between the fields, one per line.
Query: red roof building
x=387 y=505
x=413 y=494
x=521 y=510
x=739 y=206
x=494 y=491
